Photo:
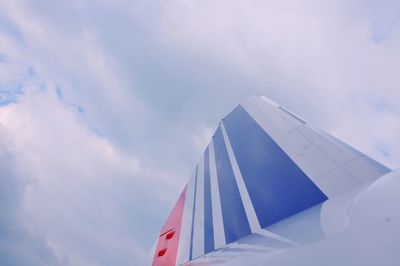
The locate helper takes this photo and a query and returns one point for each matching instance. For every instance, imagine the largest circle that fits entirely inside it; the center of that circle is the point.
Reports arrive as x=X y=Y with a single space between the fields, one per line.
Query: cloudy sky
x=106 y=106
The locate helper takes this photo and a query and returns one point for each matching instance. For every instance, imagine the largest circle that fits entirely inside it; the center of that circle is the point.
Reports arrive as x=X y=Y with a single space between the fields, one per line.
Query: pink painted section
x=167 y=246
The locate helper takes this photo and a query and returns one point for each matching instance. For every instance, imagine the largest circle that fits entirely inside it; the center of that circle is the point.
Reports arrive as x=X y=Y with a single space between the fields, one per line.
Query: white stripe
x=269 y=101
x=198 y=226
x=186 y=227
x=244 y=194
x=269 y=234
x=218 y=225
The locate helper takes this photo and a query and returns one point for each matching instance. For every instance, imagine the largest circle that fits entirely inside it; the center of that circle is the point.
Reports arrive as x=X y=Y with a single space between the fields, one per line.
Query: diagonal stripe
x=218 y=225
x=198 y=229
x=235 y=220
x=186 y=228
x=277 y=187
x=275 y=236
x=248 y=205
x=193 y=212
x=208 y=219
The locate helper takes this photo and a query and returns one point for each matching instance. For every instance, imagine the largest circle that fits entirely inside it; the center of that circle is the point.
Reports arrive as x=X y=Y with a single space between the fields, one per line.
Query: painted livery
x=267 y=182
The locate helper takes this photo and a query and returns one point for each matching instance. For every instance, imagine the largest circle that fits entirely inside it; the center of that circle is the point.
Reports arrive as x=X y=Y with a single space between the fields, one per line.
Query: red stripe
x=167 y=246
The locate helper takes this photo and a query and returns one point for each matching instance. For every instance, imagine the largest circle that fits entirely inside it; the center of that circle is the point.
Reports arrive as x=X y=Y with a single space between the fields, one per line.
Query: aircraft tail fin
x=263 y=164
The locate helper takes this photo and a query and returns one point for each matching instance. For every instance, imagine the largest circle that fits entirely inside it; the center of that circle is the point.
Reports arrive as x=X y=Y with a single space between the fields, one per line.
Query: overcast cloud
x=105 y=106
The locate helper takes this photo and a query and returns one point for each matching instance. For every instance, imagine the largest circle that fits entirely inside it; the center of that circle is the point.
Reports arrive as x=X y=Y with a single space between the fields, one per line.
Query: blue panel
x=194 y=209
x=277 y=187
x=208 y=218
x=233 y=213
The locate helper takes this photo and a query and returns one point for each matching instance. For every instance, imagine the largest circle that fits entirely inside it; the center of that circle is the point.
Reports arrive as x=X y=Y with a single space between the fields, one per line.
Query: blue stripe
x=233 y=213
x=278 y=188
x=194 y=209
x=208 y=218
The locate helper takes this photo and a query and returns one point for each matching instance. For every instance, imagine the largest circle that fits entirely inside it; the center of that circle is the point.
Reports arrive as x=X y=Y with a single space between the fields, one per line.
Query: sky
x=107 y=105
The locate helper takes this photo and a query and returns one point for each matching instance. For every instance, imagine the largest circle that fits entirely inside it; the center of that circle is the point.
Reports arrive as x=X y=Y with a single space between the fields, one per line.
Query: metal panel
x=365 y=169
x=314 y=162
x=294 y=143
x=336 y=182
x=336 y=153
x=269 y=117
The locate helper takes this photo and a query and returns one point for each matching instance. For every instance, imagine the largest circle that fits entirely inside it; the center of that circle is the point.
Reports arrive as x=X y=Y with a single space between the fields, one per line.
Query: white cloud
x=83 y=192
x=307 y=55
